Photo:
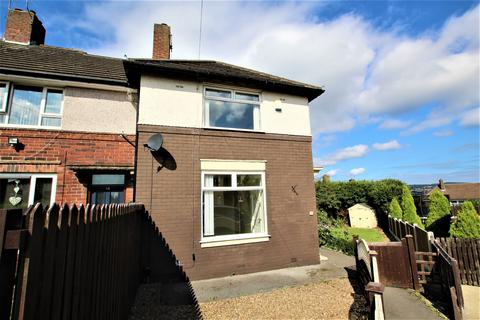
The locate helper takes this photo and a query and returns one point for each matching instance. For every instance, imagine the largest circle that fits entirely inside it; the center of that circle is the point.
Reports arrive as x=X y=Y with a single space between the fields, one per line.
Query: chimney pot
x=441 y=184
x=162 y=44
x=24 y=27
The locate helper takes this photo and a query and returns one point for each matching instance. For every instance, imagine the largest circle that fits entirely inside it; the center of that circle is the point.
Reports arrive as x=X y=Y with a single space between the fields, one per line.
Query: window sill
x=233 y=129
x=24 y=126
x=210 y=243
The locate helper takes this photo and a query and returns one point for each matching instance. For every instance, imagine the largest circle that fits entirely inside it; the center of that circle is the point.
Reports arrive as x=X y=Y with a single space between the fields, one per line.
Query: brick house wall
x=48 y=151
x=174 y=198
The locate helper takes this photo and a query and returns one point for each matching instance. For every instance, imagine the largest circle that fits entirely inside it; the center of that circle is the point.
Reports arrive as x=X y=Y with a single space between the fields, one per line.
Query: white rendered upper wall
x=178 y=103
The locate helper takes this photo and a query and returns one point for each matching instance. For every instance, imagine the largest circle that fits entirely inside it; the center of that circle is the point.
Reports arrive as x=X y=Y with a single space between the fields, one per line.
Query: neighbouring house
x=67 y=121
x=240 y=196
x=457 y=193
x=362 y=215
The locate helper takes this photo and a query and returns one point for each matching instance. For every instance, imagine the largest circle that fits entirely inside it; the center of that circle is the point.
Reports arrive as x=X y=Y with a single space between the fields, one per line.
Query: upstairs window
x=232 y=109
x=31 y=106
x=3 y=96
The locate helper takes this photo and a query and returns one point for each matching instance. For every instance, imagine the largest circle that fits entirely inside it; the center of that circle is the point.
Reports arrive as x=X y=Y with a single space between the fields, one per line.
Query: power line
x=200 y=32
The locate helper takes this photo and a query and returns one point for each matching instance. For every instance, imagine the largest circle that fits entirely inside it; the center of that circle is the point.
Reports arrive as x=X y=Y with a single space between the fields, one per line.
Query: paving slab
x=404 y=304
x=241 y=285
x=471 y=298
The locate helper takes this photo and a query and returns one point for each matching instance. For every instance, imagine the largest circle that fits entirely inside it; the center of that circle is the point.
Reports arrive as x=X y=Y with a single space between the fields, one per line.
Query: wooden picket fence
x=80 y=262
x=467 y=254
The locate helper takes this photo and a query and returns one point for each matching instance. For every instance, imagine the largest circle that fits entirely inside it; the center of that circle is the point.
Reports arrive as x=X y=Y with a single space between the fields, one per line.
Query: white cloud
x=394 y=124
x=436 y=118
x=357 y=151
x=471 y=118
x=357 y=171
x=333 y=172
x=390 y=145
x=443 y=133
x=376 y=72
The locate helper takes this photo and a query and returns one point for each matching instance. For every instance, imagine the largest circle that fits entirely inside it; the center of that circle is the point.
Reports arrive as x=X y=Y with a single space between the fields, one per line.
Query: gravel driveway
x=334 y=299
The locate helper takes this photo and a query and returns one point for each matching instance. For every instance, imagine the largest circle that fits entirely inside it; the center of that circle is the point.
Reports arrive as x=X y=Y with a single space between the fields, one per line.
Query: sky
x=402 y=78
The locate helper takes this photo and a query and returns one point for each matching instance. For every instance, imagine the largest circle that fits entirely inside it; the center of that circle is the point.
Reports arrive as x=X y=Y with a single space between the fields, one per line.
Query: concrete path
x=403 y=304
x=471 y=298
x=241 y=285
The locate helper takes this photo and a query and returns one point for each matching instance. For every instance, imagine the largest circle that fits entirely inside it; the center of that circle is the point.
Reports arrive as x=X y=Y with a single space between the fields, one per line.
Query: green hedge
x=332 y=197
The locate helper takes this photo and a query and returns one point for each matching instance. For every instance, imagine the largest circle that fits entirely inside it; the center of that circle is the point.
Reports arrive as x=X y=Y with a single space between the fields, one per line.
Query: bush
x=438 y=219
x=394 y=209
x=332 y=197
x=332 y=234
x=408 y=208
x=467 y=224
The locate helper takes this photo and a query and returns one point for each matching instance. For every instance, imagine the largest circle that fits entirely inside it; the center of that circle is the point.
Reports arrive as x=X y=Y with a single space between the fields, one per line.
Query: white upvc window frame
x=213 y=241
x=42 y=112
x=3 y=106
x=33 y=181
x=256 y=110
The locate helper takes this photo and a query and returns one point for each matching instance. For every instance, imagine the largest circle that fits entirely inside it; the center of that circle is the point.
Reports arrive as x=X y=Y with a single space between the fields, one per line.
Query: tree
x=394 y=209
x=467 y=224
x=408 y=208
x=438 y=219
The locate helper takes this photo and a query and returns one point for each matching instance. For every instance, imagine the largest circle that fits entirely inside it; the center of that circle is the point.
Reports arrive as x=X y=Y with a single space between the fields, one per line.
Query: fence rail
x=467 y=254
x=79 y=262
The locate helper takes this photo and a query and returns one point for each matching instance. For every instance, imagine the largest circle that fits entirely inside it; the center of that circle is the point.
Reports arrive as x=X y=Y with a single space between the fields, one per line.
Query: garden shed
x=362 y=215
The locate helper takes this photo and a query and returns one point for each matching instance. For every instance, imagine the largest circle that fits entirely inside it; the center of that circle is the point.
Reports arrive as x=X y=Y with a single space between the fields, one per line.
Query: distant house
x=457 y=193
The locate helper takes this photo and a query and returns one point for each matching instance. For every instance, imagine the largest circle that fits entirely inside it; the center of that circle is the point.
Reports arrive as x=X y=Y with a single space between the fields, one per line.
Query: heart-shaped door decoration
x=15 y=200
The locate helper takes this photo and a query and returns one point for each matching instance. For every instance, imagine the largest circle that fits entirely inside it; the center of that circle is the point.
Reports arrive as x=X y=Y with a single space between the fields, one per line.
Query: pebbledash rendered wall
x=174 y=198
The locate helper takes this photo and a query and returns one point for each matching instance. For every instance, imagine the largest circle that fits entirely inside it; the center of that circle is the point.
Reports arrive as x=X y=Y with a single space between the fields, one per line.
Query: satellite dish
x=154 y=143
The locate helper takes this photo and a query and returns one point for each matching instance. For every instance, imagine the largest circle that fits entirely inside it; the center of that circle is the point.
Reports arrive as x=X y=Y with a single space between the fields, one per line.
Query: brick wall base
x=44 y=151
x=174 y=199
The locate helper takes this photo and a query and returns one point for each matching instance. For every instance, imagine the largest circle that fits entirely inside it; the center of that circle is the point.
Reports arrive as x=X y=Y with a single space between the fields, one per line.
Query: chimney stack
x=441 y=184
x=24 y=27
x=162 y=44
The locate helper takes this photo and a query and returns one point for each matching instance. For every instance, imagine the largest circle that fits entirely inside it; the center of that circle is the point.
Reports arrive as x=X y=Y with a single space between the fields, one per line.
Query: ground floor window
x=234 y=204
x=107 y=189
x=22 y=190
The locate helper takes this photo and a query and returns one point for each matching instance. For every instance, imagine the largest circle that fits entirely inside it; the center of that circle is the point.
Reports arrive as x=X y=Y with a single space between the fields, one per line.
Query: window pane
x=14 y=193
x=51 y=122
x=218 y=180
x=25 y=105
x=54 y=101
x=238 y=212
x=43 y=191
x=246 y=96
x=218 y=93
x=247 y=180
x=3 y=90
x=230 y=114
x=108 y=179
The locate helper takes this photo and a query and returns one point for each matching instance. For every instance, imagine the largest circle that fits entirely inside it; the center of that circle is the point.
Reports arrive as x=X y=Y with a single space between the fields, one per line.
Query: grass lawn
x=369 y=235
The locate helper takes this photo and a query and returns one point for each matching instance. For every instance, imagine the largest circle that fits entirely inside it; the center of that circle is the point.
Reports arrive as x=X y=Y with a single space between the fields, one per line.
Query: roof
x=221 y=72
x=60 y=63
x=461 y=191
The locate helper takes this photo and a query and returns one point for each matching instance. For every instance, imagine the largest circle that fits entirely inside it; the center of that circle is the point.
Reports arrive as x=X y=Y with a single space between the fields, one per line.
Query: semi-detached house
x=241 y=198
x=66 y=119
x=232 y=191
